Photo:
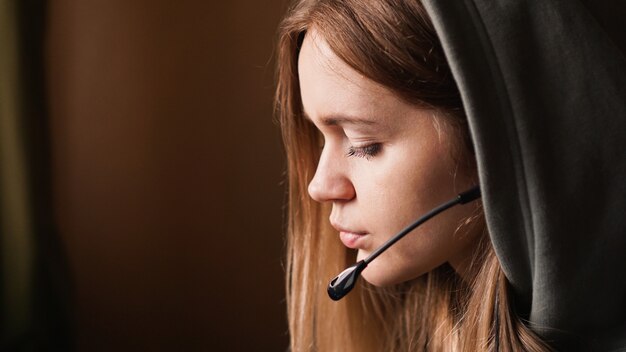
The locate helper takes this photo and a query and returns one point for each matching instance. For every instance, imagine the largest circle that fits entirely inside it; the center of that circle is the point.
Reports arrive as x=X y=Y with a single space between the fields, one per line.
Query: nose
x=331 y=181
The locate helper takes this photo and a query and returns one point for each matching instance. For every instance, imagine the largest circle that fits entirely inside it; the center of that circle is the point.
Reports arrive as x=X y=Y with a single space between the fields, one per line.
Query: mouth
x=352 y=239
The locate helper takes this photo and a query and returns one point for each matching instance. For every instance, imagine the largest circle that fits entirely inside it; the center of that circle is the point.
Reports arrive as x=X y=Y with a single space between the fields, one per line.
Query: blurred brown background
x=166 y=172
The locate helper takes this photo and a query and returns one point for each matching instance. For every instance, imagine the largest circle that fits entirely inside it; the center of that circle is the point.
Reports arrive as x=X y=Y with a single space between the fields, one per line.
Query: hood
x=544 y=86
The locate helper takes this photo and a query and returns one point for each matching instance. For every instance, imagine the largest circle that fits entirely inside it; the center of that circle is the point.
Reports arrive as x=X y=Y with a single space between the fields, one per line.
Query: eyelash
x=366 y=152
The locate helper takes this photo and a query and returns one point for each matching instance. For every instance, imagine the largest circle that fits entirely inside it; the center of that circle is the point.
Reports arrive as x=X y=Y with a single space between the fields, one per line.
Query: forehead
x=328 y=85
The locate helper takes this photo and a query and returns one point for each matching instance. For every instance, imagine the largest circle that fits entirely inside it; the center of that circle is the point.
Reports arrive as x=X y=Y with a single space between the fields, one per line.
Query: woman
x=377 y=133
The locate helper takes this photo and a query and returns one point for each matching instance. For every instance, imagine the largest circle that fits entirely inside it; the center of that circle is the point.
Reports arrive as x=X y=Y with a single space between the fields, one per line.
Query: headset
x=343 y=283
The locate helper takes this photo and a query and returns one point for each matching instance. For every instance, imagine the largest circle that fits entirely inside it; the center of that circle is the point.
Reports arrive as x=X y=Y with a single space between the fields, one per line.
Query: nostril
x=334 y=189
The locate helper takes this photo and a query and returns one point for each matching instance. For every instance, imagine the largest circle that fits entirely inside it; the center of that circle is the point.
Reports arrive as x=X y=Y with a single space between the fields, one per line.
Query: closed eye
x=367 y=151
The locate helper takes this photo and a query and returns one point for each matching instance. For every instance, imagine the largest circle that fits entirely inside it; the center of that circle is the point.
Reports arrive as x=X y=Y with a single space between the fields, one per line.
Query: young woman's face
x=384 y=164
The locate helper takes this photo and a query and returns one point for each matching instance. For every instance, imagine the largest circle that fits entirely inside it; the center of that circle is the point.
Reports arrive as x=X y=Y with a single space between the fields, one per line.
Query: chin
x=378 y=280
x=385 y=278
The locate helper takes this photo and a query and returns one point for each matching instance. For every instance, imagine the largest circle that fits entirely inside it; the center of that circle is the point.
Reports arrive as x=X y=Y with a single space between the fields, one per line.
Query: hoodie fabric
x=543 y=83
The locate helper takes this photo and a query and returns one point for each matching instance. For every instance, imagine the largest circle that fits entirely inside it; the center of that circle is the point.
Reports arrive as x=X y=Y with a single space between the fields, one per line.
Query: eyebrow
x=336 y=120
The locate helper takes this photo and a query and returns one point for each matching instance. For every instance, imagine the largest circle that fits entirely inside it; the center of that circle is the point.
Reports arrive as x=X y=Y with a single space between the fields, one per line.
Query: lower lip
x=350 y=239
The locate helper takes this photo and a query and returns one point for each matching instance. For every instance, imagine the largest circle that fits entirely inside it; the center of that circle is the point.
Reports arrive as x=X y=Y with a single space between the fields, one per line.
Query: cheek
x=407 y=179
x=394 y=191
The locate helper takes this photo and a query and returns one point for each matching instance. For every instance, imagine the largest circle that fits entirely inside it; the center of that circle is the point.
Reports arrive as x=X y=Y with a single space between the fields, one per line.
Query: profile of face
x=385 y=162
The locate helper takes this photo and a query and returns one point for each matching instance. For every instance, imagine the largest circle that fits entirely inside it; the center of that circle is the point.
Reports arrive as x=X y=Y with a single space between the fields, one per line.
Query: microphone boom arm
x=343 y=283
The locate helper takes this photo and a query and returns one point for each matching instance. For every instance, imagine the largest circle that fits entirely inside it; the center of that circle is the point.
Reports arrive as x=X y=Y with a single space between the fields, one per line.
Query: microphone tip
x=343 y=283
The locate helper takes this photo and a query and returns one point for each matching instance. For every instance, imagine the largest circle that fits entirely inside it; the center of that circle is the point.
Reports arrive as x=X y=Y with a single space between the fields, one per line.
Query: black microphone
x=343 y=283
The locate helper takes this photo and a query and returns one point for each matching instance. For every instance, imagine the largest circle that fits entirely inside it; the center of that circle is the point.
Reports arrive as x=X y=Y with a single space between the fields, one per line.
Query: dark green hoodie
x=543 y=83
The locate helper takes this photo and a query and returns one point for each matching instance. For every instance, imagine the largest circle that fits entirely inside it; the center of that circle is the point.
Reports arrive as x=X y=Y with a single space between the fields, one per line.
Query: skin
x=384 y=163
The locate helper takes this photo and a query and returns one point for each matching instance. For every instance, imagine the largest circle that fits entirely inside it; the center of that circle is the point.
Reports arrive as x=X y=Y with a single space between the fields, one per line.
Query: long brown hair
x=393 y=43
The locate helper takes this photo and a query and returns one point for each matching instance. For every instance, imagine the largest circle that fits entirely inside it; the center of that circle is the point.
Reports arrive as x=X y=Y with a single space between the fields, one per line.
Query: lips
x=350 y=238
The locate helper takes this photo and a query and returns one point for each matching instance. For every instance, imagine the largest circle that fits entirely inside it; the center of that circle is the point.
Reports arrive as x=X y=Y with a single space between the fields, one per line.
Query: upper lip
x=341 y=228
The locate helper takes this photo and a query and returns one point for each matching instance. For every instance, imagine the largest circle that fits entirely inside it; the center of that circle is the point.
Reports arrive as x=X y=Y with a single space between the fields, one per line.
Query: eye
x=367 y=151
